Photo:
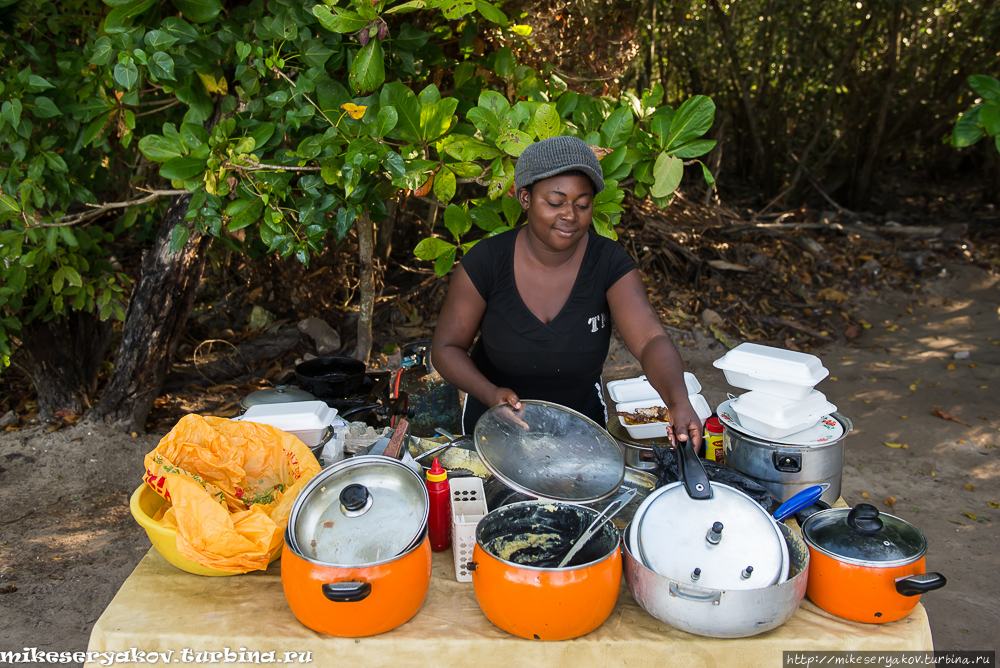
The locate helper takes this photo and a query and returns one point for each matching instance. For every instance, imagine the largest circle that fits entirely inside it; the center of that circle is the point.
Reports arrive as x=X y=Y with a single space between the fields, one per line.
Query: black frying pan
x=331 y=377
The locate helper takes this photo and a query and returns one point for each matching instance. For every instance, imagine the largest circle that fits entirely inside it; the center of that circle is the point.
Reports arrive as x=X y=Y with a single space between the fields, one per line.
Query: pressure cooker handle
x=347 y=592
x=914 y=585
x=714 y=598
x=695 y=478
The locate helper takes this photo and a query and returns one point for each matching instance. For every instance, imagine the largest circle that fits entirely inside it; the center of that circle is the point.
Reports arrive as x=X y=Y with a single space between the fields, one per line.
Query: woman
x=543 y=295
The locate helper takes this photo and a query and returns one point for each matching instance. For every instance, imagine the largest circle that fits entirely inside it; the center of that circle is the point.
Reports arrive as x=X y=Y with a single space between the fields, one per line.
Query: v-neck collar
x=572 y=292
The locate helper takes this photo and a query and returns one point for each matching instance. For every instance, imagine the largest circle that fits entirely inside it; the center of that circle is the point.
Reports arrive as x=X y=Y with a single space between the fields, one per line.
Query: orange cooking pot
x=357 y=560
x=866 y=566
x=516 y=579
x=361 y=601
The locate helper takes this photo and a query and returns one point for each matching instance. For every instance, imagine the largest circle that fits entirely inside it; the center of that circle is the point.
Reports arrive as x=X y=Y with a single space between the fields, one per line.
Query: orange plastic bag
x=229 y=488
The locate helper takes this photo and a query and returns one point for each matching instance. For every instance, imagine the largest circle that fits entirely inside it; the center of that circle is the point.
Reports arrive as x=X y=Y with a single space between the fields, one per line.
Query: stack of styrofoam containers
x=782 y=399
x=632 y=393
x=468 y=506
x=312 y=422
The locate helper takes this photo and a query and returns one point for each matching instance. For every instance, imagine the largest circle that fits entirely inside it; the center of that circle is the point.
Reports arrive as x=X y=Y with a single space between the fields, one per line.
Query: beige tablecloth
x=160 y=608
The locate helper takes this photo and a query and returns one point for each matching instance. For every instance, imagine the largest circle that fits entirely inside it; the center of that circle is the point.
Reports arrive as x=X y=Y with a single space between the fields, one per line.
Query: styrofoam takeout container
x=776 y=417
x=783 y=373
x=307 y=420
x=632 y=393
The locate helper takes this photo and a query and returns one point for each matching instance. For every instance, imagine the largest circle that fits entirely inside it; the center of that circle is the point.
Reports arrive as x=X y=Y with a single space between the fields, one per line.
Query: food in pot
x=646 y=415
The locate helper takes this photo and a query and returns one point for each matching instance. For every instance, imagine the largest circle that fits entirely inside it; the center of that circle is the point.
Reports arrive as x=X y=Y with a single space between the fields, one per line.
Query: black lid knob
x=864 y=518
x=717 y=527
x=697 y=571
x=354 y=497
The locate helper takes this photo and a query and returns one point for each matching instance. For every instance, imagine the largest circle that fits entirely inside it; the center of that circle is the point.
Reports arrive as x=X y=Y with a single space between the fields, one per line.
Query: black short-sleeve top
x=560 y=361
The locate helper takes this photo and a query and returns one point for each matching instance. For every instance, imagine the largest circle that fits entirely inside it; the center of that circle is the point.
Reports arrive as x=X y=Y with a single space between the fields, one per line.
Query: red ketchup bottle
x=439 y=517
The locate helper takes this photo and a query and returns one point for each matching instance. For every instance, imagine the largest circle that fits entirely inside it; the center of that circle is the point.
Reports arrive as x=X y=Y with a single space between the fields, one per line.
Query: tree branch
x=98 y=209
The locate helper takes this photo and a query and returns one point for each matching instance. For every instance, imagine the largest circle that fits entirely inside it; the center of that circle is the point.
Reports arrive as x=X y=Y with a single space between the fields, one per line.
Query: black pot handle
x=914 y=585
x=347 y=592
x=471 y=566
x=695 y=478
x=864 y=518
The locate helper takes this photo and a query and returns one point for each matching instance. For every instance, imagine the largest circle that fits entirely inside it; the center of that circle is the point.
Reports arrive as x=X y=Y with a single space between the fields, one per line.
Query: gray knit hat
x=554 y=156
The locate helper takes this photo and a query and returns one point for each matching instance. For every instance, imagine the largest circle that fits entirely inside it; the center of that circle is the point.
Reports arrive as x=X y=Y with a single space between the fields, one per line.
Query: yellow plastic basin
x=144 y=504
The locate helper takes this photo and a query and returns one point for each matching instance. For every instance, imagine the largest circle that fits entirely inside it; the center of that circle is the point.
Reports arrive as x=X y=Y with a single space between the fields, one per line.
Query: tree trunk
x=366 y=238
x=384 y=244
x=63 y=360
x=157 y=313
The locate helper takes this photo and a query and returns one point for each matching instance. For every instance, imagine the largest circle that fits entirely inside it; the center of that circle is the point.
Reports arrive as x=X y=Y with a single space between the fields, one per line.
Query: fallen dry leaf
x=993 y=504
x=864 y=495
x=947 y=416
x=971 y=488
x=728 y=266
x=957 y=522
x=893 y=445
x=971 y=516
x=891 y=502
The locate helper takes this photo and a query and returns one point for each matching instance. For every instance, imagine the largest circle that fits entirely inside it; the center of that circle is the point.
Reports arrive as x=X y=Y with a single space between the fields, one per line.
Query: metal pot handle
x=714 y=598
x=347 y=592
x=914 y=585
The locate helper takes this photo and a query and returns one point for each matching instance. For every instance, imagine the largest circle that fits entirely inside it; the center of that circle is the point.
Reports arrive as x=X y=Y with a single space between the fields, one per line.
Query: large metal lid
x=361 y=511
x=864 y=536
x=550 y=452
x=725 y=542
x=282 y=394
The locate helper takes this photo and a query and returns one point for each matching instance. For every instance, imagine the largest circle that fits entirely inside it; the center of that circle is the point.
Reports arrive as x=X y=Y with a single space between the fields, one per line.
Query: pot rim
x=736 y=434
x=895 y=563
x=358 y=567
x=565 y=569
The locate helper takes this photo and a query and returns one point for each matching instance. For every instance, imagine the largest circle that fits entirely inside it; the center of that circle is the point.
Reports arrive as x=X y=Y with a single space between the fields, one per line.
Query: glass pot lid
x=361 y=511
x=549 y=452
x=280 y=394
x=725 y=542
x=864 y=536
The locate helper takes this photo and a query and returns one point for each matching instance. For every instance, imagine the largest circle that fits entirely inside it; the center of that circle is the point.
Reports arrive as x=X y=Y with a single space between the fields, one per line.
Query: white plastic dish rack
x=468 y=506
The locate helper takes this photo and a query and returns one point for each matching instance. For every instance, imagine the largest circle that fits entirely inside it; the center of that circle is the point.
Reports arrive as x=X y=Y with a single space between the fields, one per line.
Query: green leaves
x=244 y=213
x=11 y=112
x=368 y=70
x=199 y=11
x=386 y=121
x=45 y=108
x=8 y=208
x=546 y=122
x=102 y=52
x=161 y=65
x=121 y=17
x=181 y=169
x=693 y=119
x=339 y=20
x=986 y=87
x=667 y=171
x=616 y=130
x=491 y=13
x=456 y=9
x=445 y=185
x=967 y=130
x=513 y=142
x=66 y=274
x=160 y=149
x=126 y=75
x=403 y=100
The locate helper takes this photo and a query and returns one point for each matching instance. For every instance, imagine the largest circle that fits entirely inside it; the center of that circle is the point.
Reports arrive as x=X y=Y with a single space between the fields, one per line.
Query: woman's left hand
x=685 y=424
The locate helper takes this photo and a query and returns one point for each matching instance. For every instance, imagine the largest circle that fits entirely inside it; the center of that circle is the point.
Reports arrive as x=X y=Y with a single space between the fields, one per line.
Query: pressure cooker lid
x=281 y=394
x=725 y=542
x=363 y=510
x=549 y=452
x=862 y=535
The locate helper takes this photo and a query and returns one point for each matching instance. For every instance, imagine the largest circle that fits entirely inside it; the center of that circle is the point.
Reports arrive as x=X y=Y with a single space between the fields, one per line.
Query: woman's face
x=560 y=210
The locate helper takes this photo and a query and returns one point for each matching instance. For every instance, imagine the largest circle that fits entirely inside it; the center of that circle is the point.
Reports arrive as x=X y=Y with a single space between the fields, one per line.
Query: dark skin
x=548 y=252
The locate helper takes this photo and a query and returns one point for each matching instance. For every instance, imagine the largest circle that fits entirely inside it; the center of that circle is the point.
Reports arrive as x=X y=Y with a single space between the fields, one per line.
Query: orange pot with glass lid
x=357 y=560
x=866 y=566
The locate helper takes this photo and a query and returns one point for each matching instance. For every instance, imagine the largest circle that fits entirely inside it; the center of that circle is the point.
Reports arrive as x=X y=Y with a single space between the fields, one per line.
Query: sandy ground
x=67 y=540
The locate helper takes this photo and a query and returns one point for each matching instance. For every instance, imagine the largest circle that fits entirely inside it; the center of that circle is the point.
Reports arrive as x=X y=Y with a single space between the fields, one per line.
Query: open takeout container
x=632 y=393
x=776 y=417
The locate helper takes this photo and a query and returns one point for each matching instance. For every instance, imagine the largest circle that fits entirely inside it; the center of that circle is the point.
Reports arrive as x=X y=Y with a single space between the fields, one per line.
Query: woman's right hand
x=505 y=395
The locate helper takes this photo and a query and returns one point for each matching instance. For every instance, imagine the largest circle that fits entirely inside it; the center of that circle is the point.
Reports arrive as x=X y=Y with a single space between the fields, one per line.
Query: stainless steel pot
x=720 y=613
x=785 y=469
x=638 y=453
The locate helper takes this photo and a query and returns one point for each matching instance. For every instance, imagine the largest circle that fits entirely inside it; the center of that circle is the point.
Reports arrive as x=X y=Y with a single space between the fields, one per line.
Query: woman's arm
x=458 y=322
x=645 y=338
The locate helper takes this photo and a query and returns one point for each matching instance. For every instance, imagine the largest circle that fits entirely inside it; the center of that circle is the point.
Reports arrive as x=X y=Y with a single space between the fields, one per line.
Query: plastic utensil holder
x=468 y=506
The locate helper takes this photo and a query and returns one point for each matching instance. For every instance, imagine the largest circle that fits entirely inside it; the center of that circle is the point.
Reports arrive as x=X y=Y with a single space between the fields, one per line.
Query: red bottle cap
x=437 y=473
x=713 y=425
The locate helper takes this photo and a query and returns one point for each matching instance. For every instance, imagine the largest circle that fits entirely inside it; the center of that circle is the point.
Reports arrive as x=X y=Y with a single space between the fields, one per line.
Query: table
x=160 y=608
